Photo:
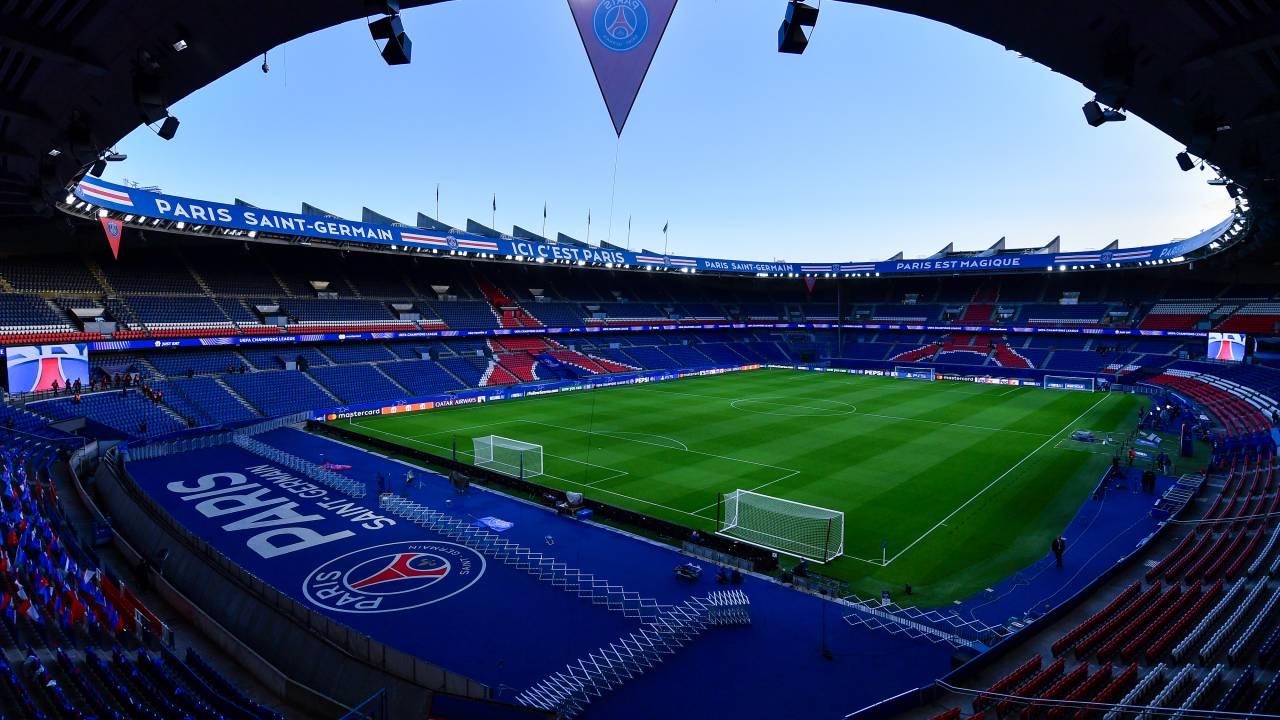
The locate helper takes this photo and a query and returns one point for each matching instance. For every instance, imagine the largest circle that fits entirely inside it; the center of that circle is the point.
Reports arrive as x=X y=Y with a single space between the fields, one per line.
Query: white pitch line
x=416 y=440
x=788 y=476
x=993 y=482
x=666 y=447
x=983 y=428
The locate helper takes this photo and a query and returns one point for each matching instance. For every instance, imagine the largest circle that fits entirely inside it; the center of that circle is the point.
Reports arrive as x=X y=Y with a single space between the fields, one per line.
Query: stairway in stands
x=982 y=307
x=1006 y=356
x=509 y=312
x=923 y=353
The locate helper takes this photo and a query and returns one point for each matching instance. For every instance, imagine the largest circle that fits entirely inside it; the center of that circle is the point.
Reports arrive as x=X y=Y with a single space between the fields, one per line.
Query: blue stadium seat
x=358 y=383
x=422 y=377
x=280 y=393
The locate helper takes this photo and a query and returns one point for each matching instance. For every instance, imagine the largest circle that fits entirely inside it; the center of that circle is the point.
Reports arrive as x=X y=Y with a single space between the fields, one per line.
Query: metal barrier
x=324 y=476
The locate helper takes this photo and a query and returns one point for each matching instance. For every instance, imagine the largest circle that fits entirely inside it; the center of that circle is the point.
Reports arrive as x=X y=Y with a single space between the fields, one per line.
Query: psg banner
x=37 y=368
x=621 y=37
x=138 y=206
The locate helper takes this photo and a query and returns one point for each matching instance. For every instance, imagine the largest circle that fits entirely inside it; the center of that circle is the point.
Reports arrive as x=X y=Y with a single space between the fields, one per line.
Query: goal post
x=510 y=457
x=1068 y=382
x=789 y=527
x=914 y=373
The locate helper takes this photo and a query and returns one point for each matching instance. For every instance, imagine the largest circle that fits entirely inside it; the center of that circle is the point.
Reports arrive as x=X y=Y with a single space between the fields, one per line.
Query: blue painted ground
x=1105 y=531
x=508 y=630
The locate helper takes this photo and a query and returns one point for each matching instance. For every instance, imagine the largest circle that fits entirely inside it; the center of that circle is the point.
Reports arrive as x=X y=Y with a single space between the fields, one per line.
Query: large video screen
x=1226 y=346
x=37 y=367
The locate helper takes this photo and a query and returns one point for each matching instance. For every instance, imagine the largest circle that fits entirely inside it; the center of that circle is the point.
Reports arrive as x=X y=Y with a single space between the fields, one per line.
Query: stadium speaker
x=99 y=166
x=1184 y=161
x=1095 y=114
x=169 y=128
x=791 y=34
x=399 y=48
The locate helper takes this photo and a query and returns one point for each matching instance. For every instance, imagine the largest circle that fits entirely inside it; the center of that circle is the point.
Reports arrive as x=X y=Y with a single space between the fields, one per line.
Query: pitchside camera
x=792 y=37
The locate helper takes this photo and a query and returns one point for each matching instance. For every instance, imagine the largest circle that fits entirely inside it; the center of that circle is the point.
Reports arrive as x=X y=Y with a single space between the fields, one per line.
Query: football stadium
x=788 y=434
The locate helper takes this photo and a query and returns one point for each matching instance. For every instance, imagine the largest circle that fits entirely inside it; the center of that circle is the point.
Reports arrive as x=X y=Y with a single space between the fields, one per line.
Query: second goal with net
x=509 y=457
x=793 y=528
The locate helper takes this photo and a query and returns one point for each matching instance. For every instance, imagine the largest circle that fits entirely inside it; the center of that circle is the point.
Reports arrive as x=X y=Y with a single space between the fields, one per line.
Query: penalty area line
x=993 y=482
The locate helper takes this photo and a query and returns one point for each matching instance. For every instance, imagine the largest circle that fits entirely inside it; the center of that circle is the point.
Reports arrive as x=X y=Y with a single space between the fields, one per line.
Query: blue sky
x=890 y=133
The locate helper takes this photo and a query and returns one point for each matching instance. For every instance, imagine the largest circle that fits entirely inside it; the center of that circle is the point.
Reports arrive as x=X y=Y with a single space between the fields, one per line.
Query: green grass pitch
x=963 y=483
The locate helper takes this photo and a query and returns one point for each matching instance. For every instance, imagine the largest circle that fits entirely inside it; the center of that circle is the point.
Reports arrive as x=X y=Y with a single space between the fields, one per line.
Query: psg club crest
x=621 y=25
x=36 y=368
x=393 y=577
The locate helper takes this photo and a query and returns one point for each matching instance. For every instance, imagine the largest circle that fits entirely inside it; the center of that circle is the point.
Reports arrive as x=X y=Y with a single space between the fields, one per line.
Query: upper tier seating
x=705 y=312
x=557 y=314
x=1180 y=315
x=906 y=313
x=273 y=358
x=1057 y=314
x=463 y=314
x=338 y=311
x=1258 y=318
x=151 y=274
x=177 y=312
x=628 y=313
x=176 y=363
x=63 y=275
x=357 y=352
x=976 y=313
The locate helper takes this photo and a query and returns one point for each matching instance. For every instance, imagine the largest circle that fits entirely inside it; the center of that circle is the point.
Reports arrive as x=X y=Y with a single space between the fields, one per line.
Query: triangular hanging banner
x=621 y=37
x=114 y=229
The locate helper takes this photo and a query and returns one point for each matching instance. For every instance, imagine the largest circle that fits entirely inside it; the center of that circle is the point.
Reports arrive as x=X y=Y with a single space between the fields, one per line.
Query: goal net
x=789 y=527
x=507 y=456
x=1065 y=382
x=913 y=373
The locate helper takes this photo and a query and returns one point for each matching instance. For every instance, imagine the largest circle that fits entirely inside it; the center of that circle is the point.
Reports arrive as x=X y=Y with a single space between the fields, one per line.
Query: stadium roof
x=1207 y=73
